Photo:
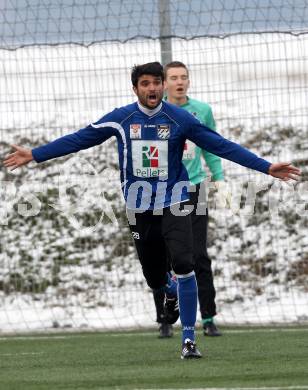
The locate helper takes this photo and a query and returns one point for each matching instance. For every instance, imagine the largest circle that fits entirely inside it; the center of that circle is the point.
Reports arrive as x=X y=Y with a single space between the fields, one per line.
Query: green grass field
x=241 y=358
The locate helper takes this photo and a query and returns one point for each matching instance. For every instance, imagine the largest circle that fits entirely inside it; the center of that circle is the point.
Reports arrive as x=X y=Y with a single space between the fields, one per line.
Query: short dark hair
x=174 y=64
x=151 y=68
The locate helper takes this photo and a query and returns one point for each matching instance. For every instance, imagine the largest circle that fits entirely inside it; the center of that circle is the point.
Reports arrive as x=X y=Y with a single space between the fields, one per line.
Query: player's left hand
x=284 y=171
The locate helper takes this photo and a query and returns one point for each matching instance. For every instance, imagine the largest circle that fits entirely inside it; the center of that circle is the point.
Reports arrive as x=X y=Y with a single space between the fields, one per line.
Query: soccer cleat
x=210 y=329
x=171 y=308
x=190 y=351
x=165 y=331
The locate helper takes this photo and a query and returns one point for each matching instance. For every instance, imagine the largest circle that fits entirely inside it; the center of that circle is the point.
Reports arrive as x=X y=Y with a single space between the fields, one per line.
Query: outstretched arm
x=21 y=156
x=89 y=136
x=213 y=142
x=284 y=171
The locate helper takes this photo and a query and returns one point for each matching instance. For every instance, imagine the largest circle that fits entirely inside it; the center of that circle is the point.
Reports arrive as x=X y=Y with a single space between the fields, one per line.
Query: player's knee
x=183 y=266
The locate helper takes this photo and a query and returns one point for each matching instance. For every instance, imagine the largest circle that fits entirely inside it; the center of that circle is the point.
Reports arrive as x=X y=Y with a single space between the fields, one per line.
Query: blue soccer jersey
x=150 y=146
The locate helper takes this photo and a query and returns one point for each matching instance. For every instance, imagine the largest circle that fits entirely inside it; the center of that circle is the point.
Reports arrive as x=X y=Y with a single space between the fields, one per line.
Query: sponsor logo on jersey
x=135 y=131
x=189 y=152
x=163 y=131
x=150 y=158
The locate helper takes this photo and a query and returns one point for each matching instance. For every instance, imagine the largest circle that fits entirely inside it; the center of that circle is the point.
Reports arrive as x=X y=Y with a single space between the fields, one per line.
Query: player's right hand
x=21 y=156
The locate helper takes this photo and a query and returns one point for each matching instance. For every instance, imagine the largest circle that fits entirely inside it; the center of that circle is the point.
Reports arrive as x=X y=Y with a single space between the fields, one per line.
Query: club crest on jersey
x=135 y=131
x=163 y=131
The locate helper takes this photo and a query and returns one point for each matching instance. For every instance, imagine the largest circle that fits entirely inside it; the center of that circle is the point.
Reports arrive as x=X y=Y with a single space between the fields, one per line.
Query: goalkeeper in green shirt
x=176 y=86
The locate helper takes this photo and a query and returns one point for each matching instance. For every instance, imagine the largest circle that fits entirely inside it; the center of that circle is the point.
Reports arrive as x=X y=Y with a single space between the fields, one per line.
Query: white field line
x=304 y=387
x=7 y=338
x=230 y=331
x=21 y=354
x=150 y=333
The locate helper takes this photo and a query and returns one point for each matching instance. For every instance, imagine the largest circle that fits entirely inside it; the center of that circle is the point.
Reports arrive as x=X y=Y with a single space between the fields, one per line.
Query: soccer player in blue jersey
x=176 y=86
x=151 y=135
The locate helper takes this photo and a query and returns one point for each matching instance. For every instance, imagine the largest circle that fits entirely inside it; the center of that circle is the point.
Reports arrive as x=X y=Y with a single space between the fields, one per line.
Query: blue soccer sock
x=171 y=287
x=188 y=301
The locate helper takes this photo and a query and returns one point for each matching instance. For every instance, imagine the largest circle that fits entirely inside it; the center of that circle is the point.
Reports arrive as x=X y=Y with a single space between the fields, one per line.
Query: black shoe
x=171 y=308
x=165 y=331
x=210 y=329
x=190 y=350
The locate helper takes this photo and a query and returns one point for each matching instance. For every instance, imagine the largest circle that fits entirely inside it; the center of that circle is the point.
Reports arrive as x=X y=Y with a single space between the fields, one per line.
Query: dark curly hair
x=151 y=68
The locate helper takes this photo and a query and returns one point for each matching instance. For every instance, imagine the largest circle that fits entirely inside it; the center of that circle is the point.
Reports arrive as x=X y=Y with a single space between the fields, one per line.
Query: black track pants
x=159 y=238
x=202 y=262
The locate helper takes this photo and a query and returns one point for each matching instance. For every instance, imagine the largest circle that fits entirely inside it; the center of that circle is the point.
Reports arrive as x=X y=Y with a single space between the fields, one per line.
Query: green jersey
x=192 y=153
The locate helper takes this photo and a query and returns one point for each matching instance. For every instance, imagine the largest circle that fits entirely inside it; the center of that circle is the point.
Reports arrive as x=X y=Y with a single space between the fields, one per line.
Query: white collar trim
x=147 y=111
